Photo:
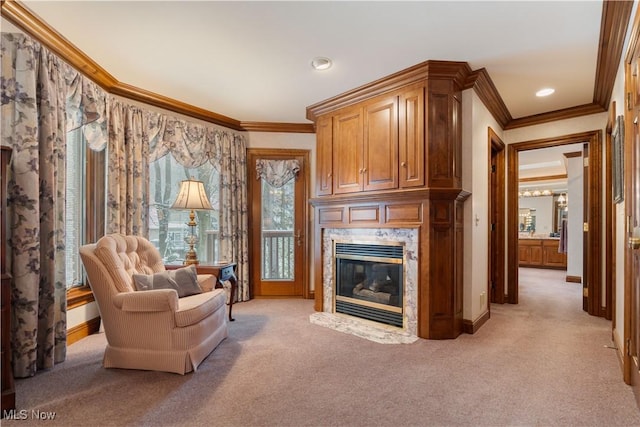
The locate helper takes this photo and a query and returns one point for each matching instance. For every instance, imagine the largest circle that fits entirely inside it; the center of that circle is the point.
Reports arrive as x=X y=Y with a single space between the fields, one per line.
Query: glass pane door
x=277 y=231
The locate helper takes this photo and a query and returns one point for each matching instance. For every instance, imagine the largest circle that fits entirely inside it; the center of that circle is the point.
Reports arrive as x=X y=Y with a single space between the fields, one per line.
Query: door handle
x=634 y=242
x=298 y=238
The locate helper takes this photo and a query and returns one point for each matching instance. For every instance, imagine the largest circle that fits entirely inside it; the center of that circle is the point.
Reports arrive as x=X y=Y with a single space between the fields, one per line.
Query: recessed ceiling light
x=545 y=92
x=321 y=63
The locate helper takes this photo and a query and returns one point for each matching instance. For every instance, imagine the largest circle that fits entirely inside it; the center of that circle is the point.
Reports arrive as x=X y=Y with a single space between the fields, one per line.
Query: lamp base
x=191 y=258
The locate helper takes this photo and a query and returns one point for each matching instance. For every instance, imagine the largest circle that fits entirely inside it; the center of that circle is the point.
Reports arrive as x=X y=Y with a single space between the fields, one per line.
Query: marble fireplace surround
x=368 y=329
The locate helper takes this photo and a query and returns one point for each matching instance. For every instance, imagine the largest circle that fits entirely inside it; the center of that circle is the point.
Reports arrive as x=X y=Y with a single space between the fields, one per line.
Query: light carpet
x=543 y=362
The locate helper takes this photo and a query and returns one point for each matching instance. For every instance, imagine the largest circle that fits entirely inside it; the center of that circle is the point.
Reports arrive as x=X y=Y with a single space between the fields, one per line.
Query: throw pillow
x=183 y=280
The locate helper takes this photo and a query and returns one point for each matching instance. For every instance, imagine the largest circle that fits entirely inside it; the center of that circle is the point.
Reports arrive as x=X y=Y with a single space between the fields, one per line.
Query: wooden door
x=347 y=152
x=277 y=220
x=324 y=164
x=632 y=212
x=496 y=219
x=411 y=138
x=380 y=169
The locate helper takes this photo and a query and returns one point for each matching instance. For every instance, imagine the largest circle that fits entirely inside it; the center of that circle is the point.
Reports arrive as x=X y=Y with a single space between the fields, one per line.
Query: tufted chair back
x=124 y=256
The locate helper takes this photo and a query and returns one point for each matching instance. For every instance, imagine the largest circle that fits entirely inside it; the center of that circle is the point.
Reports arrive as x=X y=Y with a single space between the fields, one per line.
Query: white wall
x=575 y=216
x=618 y=96
x=476 y=120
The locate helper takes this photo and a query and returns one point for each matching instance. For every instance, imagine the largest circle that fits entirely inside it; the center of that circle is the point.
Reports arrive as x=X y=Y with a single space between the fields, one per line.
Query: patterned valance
x=191 y=144
x=84 y=103
x=277 y=172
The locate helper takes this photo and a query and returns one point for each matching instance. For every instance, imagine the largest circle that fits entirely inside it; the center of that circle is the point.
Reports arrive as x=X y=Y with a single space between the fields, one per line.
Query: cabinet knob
x=364 y=170
x=403 y=164
x=329 y=175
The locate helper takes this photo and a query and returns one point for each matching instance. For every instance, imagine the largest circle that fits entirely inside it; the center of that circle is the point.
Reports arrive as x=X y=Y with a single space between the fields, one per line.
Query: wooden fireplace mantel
x=389 y=154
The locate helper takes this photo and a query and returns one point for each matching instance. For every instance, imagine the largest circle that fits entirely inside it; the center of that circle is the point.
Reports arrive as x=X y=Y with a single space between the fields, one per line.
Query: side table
x=223 y=271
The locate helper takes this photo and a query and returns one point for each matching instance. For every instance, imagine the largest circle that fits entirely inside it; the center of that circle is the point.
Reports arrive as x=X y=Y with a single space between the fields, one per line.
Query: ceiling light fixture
x=545 y=92
x=320 y=63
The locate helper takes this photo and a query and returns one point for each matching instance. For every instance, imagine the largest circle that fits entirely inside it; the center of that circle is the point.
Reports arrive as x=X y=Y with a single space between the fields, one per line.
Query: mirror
x=561 y=211
x=527 y=220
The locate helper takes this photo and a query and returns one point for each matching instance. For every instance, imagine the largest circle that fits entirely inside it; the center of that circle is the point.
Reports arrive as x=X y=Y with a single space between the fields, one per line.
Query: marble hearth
x=368 y=329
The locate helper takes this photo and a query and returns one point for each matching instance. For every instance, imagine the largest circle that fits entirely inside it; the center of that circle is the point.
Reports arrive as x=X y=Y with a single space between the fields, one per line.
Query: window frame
x=94 y=165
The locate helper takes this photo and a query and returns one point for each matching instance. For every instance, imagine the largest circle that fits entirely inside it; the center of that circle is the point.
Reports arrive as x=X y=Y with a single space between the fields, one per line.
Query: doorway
x=593 y=213
x=496 y=288
x=278 y=194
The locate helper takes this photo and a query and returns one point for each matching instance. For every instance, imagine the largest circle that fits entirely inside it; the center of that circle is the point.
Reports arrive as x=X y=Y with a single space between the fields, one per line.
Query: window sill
x=79 y=296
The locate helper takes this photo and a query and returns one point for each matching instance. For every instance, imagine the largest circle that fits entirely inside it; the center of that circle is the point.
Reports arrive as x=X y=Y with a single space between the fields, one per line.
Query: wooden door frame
x=252 y=155
x=630 y=374
x=497 y=205
x=610 y=225
x=594 y=252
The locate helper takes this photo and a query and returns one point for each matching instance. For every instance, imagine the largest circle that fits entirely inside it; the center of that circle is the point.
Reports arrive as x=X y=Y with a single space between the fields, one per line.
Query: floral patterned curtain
x=193 y=144
x=277 y=172
x=128 y=171
x=37 y=110
x=234 y=223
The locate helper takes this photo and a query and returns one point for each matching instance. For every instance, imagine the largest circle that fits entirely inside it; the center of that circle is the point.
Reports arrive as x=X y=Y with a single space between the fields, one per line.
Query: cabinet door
x=524 y=254
x=536 y=255
x=411 y=138
x=324 y=164
x=347 y=152
x=380 y=170
x=551 y=256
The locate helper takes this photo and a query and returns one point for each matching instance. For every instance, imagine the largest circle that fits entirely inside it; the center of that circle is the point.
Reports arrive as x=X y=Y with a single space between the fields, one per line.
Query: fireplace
x=369 y=281
x=400 y=240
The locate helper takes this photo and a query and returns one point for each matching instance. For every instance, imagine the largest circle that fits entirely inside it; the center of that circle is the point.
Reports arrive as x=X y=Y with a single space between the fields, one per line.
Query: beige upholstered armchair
x=152 y=329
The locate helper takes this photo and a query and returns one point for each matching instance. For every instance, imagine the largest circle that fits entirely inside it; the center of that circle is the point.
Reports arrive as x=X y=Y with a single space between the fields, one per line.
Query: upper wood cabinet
x=347 y=153
x=402 y=132
x=324 y=164
x=361 y=152
x=365 y=147
x=411 y=138
x=380 y=167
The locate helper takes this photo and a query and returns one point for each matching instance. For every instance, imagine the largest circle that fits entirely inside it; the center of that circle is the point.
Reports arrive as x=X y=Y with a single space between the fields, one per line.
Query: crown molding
x=31 y=23
x=552 y=116
x=543 y=178
x=278 y=127
x=481 y=82
x=613 y=29
x=615 y=18
x=452 y=70
x=25 y=19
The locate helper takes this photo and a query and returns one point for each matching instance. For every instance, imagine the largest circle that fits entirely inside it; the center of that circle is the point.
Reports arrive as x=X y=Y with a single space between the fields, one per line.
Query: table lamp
x=192 y=196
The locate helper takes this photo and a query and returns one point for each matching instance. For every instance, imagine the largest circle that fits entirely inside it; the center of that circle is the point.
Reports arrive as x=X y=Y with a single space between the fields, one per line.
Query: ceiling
x=537 y=166
x=251 y=60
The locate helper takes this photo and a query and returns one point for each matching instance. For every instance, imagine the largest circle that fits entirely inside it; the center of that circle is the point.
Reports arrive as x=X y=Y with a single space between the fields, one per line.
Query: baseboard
x=619 y=350
x=471 y=327
x=574 y=279
x=82 y=330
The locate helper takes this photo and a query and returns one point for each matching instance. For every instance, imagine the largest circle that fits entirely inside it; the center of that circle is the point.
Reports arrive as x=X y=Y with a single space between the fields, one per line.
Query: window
x=84 y=204
x=168 y=230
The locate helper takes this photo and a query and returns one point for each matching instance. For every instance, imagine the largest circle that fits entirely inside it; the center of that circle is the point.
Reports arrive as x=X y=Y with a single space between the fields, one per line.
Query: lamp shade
x=192 y=195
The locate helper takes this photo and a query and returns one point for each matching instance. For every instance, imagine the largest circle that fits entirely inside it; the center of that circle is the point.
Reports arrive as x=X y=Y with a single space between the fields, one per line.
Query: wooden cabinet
x=389 y=153
x=8 y=389
x=550 y=255
x=541 y=253
x=411 y=138
x=324 y=161
x=376 y=145
x=365 y=147
x=348 y=144
x=380 y=167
